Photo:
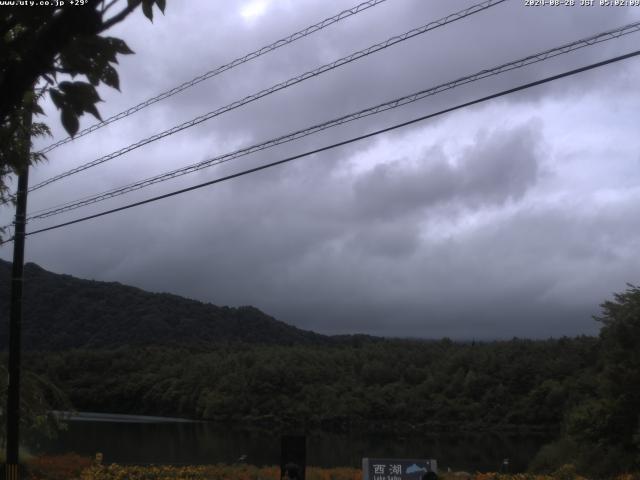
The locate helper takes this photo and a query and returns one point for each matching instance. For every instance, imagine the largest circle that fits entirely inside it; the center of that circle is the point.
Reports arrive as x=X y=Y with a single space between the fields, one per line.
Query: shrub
x=57 y=467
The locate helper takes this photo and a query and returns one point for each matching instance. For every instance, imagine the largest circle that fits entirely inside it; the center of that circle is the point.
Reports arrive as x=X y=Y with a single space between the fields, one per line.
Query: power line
x=11 y=236
x=531 y=59
x=280 y=86
x=345 y=142
x=223 y=68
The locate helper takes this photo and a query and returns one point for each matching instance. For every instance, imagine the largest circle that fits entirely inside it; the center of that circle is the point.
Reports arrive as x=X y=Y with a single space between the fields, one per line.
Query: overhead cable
x=345 y=142
x=218 y=70
x=277 y=87
x=522 y=62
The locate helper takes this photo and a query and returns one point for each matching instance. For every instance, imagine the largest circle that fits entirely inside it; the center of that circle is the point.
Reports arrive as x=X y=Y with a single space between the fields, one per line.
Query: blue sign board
x=397 y=468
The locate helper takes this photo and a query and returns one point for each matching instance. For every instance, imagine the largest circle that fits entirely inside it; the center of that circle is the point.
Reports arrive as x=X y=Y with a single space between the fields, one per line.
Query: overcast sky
x=516 y=217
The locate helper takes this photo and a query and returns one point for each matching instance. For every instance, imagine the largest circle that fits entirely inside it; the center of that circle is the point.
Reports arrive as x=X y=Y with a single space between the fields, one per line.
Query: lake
x=144 y=440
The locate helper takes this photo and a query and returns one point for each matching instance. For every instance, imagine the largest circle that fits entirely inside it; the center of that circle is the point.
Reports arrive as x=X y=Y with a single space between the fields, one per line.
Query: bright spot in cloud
x=254 y=9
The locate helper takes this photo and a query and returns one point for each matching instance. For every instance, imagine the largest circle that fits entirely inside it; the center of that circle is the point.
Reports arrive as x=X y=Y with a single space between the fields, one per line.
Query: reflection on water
x=202 y=443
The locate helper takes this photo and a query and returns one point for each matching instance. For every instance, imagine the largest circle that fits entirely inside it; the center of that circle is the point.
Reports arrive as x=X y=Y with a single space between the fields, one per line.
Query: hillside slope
x=63 y=312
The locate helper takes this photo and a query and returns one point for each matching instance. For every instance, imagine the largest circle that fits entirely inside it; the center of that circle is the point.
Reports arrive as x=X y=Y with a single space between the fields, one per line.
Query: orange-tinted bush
x=57 y=467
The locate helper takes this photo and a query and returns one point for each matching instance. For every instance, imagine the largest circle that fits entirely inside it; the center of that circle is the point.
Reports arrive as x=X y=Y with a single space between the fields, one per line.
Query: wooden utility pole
x=12 y=469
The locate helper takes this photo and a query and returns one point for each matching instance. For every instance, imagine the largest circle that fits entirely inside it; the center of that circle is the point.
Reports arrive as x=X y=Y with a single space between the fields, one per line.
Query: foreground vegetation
x=72 y=467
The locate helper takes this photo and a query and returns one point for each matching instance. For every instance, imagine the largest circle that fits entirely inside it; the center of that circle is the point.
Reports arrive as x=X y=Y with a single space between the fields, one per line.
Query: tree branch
x=111 y=4
x=120 y=16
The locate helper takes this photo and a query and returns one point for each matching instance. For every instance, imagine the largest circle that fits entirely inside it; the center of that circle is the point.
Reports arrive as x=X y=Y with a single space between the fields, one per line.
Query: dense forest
x=111 y=348
x=434 y=385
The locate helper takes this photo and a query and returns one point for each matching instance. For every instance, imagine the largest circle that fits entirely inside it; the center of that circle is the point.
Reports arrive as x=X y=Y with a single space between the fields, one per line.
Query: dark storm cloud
x=484 y=223
x=499 y=166
x=336 y=248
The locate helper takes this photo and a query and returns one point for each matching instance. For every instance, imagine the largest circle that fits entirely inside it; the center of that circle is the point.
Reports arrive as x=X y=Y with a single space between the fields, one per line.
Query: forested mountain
x=112 y=348
x=116 y=348
x=63 y=312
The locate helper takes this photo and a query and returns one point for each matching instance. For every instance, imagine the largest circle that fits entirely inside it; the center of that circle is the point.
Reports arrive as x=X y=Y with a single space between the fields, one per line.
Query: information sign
x=398 y=468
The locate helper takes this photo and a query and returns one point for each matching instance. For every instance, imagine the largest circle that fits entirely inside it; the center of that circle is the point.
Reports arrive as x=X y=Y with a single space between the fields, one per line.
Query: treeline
x=372 y=385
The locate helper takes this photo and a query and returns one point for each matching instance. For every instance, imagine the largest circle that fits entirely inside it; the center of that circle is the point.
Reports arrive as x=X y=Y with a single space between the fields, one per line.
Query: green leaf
x=161 y=5
x=110 y=77
x=39 y=129
x=93 y=111
x=93 y=78
x=80 y=92
x=69 y=121
x=120 y=46
x=80 y=97
x=56 y=97
x=75 y=57
x=147 y=9
x=37 y=109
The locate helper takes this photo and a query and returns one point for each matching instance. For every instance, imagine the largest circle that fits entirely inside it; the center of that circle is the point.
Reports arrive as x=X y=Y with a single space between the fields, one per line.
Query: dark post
x=293 y=457
x=12 y=471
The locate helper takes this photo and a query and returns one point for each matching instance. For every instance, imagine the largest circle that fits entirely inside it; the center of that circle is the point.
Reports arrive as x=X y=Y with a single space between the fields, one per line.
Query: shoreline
x=117 y=418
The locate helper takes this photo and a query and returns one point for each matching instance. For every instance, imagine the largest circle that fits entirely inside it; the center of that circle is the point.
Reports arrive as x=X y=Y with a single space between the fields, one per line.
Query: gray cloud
x=497 y=167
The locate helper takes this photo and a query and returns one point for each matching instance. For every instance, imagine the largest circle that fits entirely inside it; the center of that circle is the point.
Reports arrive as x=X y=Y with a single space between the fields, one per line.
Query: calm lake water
x=202 y=443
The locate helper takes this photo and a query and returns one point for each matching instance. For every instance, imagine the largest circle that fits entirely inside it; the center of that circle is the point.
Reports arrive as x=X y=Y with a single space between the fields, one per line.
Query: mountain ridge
x=64 y=312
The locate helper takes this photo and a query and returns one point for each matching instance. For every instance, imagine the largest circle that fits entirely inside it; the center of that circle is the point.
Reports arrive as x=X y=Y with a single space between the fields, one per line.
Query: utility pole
x=13 y=470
